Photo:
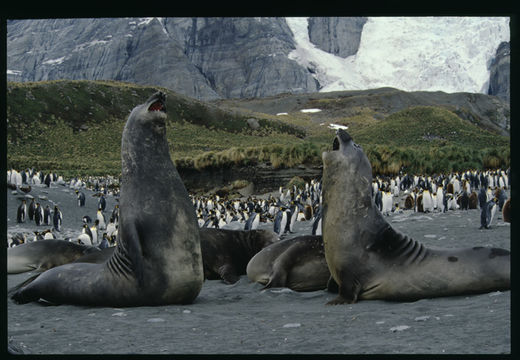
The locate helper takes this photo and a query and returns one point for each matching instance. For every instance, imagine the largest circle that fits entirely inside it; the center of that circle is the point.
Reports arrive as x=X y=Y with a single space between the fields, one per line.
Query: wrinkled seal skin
x=298 y=264
x=225 y=253
x=368 y=259
x=157 y=260
x=44 y=255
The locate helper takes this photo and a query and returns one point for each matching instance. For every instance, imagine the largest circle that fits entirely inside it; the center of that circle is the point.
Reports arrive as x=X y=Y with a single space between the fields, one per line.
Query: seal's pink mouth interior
x=156 y=106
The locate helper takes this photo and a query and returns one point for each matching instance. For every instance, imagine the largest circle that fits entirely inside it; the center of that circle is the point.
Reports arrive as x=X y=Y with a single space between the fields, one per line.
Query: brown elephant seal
x=225 y=253
x=298 y=264
x=368 y=259
x=44 y=255
x=157 y=260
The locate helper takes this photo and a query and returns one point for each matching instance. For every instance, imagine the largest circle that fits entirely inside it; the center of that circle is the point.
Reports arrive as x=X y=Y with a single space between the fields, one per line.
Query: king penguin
x=32 y=207
x=81 y=198
x=38 y=214
x=57 y=218
x=47 y=217
x=280 y=221
x=252 y=222
x=487 y=213
x=21 y=213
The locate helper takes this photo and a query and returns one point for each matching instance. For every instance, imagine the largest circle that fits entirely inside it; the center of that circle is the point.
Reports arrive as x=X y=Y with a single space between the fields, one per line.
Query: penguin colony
x=484 y=190
x=99 y=233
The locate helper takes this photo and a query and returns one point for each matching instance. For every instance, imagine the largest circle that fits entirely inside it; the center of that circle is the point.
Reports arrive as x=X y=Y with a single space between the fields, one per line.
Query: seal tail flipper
x=18 y=295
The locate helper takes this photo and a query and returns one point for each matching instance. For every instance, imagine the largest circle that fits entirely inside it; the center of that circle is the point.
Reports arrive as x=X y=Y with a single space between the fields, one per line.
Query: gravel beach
x=244 y=319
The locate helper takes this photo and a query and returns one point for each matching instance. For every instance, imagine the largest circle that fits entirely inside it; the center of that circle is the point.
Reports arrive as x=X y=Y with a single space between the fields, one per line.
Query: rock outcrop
x=336 y=35
x=500 y=72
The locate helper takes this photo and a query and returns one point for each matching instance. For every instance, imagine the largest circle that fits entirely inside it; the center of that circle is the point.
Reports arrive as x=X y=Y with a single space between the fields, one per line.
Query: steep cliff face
x=212 y=58
x=205 y=58
x=500 y=72
x=244 y=57
x=336 y=35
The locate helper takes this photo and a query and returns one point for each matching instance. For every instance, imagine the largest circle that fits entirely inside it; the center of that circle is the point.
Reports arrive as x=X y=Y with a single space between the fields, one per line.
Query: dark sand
x=243 y=319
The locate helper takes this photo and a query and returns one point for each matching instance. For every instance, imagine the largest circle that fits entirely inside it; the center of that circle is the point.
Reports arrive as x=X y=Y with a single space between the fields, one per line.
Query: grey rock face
x=245 y=57
x=336 y=35
x=500 y=72
x=205 y=58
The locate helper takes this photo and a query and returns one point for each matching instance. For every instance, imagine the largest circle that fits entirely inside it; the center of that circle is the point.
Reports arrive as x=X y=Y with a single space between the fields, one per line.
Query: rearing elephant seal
x=158 y=259
x=368 y=259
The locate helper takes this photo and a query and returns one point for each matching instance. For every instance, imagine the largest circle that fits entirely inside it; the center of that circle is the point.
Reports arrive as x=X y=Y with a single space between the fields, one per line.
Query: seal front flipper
x=332 y=286
x=283 y=265
x=228 y=274
x=348 y=290
x=21 y=297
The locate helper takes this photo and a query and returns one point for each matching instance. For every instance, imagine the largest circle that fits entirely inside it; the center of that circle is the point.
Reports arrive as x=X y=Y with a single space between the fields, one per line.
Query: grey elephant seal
x=368 y=259
x=45 y=254
x=157 y=260
x=225 y=253
x=298 y=264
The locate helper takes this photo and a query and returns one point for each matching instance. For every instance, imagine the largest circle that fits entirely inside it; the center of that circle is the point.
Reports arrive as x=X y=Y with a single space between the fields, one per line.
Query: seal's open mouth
x=160 y=102
x=335 y=144
x=157 y=106
x=342 y=137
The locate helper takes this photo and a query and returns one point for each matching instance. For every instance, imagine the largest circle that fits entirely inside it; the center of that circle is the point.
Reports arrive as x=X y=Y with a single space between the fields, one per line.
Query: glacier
x=450 y=54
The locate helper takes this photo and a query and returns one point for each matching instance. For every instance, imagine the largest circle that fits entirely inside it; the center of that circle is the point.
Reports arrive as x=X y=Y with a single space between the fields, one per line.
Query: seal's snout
x=158 y=102
x=342 y=137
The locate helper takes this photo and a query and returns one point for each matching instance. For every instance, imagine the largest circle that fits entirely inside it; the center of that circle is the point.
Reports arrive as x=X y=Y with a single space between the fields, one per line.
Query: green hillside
x=74 y=127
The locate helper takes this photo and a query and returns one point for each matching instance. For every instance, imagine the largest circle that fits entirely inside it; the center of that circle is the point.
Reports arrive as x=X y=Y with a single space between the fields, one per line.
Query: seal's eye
x=156 y=106
x=335 y=144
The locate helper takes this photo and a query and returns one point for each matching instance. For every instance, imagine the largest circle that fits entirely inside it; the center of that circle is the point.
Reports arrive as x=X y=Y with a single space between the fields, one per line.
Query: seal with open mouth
x=157 y=260
x=368 y=259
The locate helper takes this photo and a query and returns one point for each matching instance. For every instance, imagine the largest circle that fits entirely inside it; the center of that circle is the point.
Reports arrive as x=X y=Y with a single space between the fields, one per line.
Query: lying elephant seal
x=368 y=259
x=298 y=264
x=225 y=253
x=44 y=255
x=157 y=260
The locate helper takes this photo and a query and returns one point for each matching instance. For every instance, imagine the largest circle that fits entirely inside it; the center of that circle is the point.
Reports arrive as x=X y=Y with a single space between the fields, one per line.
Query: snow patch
x=310 y=110
x=292 y=325
x=54 y=61
x=337 y=126
x=399 y=328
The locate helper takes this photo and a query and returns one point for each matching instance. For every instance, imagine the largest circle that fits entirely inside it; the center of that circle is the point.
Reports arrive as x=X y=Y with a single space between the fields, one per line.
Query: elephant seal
x=368 y=259
x=225 y=253
x=298 y=264
x=44 y=255
x=157 y=260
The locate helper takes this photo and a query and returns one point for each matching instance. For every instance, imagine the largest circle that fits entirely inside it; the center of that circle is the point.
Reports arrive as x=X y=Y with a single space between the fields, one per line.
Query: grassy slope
x=44 y=122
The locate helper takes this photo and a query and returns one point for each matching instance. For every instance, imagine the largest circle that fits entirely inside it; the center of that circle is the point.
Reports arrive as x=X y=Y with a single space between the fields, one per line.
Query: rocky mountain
x=205 y=58
x=500 y=72
x=336 y=35
x=215 y=58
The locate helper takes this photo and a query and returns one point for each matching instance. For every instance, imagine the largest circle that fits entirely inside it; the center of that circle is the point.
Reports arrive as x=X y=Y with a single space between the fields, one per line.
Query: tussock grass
x=75 y=127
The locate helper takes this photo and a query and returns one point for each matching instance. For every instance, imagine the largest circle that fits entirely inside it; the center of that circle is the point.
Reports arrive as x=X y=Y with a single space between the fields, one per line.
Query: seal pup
x=368 y=259
x=157 y=260
x=226 y=253
x=297 y=263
